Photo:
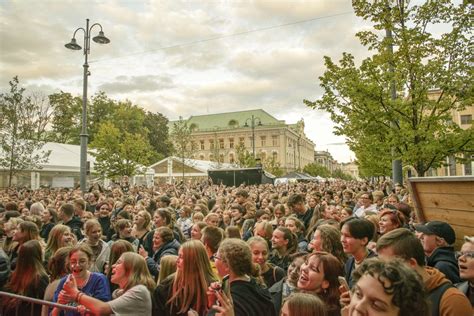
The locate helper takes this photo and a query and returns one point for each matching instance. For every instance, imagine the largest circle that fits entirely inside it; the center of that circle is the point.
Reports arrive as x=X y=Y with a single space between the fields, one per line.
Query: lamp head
x=259 y=123
x=246 y=125
x=73 y=45
x=101 y=39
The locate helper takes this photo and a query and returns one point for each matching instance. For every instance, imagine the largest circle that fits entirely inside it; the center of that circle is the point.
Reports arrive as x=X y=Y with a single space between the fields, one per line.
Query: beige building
x=351 y=168
x=217 y=136
x=464 y=120
x=325 y=159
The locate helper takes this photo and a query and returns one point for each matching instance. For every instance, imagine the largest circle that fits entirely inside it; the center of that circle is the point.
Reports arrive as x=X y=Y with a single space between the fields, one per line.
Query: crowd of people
x=329 y=248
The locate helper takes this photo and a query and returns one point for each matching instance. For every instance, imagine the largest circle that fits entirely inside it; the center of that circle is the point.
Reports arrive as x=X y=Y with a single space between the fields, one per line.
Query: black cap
x=440 y=229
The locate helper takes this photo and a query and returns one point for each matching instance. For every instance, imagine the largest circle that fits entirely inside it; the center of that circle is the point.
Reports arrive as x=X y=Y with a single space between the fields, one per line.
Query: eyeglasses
x=468 y=254
x=215 y=256
x=80 y=263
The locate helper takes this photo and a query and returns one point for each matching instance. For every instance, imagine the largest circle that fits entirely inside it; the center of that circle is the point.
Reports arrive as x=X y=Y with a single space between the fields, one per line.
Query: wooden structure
x=447 y=199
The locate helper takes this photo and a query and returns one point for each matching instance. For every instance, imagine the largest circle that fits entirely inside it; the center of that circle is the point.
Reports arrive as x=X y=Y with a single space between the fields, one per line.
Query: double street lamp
x=101 y=39
x=253 y=119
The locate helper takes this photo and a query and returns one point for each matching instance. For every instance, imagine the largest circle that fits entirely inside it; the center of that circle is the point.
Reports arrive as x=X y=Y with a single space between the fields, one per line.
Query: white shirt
x=135 y=301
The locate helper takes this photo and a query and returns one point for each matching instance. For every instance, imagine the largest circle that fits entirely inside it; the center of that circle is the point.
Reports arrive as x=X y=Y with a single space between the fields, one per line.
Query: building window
x=466 y=119
x=263 y=156
x=452 y=165
x=221 y=158
x=263 y=140
x=275 y=155
x=201 y=157
x=468 y=167
x=211 y=157
x=231 y=143
x=233 y=123
x=231 y=158
x=242 y=141
x=202 y=144
x=221 y=143
x=274 y=140
x=211 y=144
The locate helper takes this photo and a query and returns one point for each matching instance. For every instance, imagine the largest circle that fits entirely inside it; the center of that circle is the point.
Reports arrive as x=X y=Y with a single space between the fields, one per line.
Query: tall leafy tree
x=66 y=121
x=184 y=146
x=120 y=153
x=315 y=169
x=158 y=135
x=22 y=131
x=418 y=125
x=244 y=158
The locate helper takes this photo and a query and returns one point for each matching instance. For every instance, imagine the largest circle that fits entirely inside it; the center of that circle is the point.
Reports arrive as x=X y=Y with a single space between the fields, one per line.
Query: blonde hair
x=190 y=284
x=55 y=238
x=469 y=239
x=303 y=304
x=90 y=224
x=137 y=271
x=147 y=217
x=167 y=267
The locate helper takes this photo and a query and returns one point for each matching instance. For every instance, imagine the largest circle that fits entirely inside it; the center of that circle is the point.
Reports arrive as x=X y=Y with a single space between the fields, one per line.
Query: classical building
x=351 y=168
x=217 y=136
x=325 y=159
x=464 y=120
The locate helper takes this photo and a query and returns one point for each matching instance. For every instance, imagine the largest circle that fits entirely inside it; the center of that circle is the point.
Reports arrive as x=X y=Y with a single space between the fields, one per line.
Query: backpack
x=435 y=296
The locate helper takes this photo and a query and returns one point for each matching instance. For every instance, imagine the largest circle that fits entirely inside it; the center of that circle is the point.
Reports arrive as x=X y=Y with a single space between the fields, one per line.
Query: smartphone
x=225 y=285
x=343 y=282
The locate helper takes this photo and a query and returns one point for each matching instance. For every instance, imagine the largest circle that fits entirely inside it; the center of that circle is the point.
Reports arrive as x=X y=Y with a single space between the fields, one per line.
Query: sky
x=183 y=58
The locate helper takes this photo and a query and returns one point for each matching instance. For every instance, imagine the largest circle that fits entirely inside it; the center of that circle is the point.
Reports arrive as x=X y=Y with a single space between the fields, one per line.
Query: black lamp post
x=252 y=121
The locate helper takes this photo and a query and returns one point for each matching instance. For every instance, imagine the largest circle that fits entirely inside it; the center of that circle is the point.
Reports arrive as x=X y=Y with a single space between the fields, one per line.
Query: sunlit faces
x=196 y=232
x=19 y=235
x=67 y=238
x=466 y=262
x=291 y=225
x=369 y=298
x=126 y=232
x=78 y=264
x=179 y=261
x=350 y=244
x=139 y=220
x=158 y=220
x=316 y=243
x=278 y=240
x=236 y=214
x=94 y=233
x=386 y=224
x=294 y=270
x=259 y=253
x=312 y=275
x=157 y=240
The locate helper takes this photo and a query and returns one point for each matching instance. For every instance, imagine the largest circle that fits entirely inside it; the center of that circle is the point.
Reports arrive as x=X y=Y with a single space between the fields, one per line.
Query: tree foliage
x=244 y=158
x=315 y=169
x=273 y=166
x=184 y=146
x=157 y=125
x=66 y=121
x=23 y=121
x=120 y=153
x=417 y=124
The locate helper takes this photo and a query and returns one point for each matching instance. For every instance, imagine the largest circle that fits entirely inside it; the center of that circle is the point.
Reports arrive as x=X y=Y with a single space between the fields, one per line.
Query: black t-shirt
x=273 y=275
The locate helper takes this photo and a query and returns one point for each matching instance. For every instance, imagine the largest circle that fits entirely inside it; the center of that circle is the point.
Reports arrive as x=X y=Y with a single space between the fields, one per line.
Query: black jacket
x=75 y=224
x=443 y=259
x=349 y=267
x=251 y=299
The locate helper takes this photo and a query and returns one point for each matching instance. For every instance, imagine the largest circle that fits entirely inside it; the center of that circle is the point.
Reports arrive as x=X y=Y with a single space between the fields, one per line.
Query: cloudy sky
x=185 y=58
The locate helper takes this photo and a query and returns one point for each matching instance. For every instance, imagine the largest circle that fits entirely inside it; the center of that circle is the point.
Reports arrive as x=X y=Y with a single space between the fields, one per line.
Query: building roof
x=230 y=120
x=200 y=165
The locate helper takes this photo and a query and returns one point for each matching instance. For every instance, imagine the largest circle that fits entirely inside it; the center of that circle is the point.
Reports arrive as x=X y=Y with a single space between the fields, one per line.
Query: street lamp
x=101 y=39
x=252 y=121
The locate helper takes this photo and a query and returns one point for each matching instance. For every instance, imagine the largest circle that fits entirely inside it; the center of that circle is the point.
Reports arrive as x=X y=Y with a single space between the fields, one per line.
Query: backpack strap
x=435 y=296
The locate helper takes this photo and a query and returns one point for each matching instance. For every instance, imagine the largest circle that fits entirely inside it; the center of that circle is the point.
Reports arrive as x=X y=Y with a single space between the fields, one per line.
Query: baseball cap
x=438 y=228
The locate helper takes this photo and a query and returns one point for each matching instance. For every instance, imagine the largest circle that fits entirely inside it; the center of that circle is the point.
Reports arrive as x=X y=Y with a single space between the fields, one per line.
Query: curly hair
x=404 y=284
x=331 y=242
x=238 y=256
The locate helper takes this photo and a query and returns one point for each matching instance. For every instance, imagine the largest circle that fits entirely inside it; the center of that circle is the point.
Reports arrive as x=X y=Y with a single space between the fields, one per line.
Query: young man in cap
x=437 y=239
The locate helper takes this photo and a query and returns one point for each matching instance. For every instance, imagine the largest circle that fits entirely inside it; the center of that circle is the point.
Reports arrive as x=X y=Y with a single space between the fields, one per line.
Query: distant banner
x=63 y=182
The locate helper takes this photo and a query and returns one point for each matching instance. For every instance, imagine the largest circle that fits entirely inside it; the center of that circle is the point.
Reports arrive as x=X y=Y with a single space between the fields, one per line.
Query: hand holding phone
x=343 y=283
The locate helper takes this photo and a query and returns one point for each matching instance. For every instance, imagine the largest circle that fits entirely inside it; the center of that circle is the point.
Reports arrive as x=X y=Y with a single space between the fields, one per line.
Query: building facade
x=325 y=159
x=217 y=136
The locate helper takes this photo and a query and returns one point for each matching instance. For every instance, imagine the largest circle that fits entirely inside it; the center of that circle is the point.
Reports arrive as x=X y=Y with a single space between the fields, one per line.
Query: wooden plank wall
x=447 y=201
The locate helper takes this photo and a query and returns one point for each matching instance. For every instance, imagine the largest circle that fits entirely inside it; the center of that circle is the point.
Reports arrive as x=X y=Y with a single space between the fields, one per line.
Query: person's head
x=57 y=265
x=390 y=219
x=130 y=270
x=393 y=199
x=279 y=211
x=328 y=238
x=319 y=275
x=142 y=220
x=302 y=304
x=435 y=234
x=387 y=288
x=263 y=229
x=211 y=238
x=296 y=203
x=237 y=211
x=37 y=209
x=104 y=209
x=66 y=212
x=198 y=217
x=232 y=232
x=378 y=197
x=123 y=228
x=167 y=267
x=79 y=205
x=401 y=243
x=283 y=239
x=260 y=251
x=466 y=260
x=26 y=231
x=59 y=236
x=293 y=274
x=162 y=217
x=241 y=196
x=356 y=234
x=295 y=225
x=29 y=268
x=80 y=258
x=346 y=212
x=93 y=230
x=116 y=250
x=234 y=257
x=185 y=211
x=196 y=230
x=212 y=219
x=162 y=236
x=193 y=274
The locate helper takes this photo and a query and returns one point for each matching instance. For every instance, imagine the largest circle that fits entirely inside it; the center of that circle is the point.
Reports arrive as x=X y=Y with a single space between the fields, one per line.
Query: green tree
x=22 y=131
x=66 y=121
x=244 y=158
x=418 y=126
x=158 y=135
x=315 y=169
x=273 y=166
x=102 y=109
x=120 y=153
x=184 y=146
x=339 y=174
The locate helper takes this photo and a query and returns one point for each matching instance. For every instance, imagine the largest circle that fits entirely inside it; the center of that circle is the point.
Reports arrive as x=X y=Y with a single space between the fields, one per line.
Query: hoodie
x=453 y=302
x=170 y=248
x=443 y=259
